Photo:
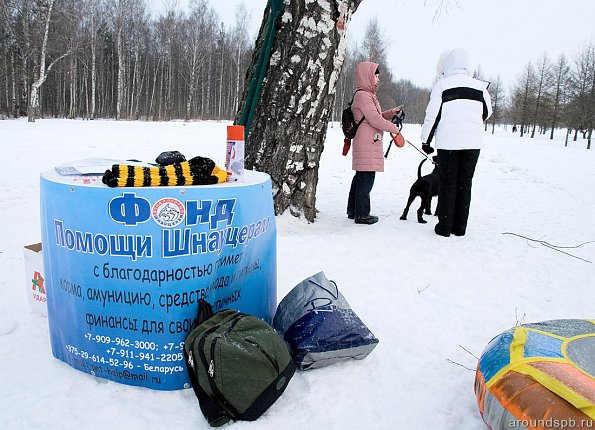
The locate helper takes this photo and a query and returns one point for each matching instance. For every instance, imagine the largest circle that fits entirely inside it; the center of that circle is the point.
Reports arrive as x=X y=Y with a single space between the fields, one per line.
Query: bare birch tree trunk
x=286 y=138
x=73 y=88
x=14 y=105
x=192 y=65
x=134 y=89
x=93 y=61
x=208 y=83
x=24 y=97
x=151 y=113
x=6 y=80
x=121 y=21
x=33 y=107
x=121 y=72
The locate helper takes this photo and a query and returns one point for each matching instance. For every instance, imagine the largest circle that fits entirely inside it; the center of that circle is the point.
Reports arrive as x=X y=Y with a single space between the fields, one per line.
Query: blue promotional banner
x=125 y=268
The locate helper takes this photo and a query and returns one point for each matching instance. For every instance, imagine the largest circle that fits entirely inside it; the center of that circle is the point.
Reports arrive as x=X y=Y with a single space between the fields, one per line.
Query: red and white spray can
x=234 y=156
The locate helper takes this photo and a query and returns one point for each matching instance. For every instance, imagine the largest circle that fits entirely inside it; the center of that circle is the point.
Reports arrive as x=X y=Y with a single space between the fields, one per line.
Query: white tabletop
x=88 y=173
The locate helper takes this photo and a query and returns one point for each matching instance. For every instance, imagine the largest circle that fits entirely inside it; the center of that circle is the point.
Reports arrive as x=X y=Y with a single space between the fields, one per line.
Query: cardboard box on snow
x=35 y=279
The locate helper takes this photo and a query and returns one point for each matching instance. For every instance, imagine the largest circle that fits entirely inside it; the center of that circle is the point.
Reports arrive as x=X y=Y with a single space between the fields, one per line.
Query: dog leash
x=421 y=152
x=398 y=121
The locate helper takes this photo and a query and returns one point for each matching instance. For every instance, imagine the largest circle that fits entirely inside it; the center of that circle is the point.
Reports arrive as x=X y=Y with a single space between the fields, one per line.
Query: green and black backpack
x=237 y=363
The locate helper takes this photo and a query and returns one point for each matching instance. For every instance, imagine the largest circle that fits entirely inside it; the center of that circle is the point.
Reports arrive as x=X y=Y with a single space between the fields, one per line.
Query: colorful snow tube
x=539 y=376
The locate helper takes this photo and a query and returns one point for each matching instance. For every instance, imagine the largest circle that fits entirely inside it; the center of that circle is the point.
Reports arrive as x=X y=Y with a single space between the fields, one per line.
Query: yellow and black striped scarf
x=196 y=171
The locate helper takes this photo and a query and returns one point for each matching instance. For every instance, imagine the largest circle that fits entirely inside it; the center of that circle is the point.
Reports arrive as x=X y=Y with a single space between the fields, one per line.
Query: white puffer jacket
x=459 y=104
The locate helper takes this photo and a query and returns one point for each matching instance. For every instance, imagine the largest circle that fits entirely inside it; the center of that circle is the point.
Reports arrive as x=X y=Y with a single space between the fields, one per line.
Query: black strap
x=435 y=126
x=270 y=394
x=352 y=97
x=351 y=102
x=209 y=407
x=205 y=311
x=227 y=407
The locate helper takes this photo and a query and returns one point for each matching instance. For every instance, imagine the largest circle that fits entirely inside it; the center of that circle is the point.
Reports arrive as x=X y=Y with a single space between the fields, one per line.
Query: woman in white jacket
x=458 y=107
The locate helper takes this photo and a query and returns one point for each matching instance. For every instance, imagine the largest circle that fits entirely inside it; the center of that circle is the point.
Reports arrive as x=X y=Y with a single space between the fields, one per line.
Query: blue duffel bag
x=320 y=326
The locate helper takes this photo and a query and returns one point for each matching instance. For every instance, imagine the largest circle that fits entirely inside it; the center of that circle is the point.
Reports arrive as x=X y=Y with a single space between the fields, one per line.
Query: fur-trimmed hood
x=455 y=62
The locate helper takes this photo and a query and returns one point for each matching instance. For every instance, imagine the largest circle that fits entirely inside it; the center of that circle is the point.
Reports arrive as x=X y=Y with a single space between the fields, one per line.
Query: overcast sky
x=502 y=36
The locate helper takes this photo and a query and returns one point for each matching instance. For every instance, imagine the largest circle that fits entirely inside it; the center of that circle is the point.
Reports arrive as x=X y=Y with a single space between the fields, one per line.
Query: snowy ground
x=425 y=297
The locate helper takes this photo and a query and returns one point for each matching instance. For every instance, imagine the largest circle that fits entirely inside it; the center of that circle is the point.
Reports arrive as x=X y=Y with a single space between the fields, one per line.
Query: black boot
x=367 y=220
x=440 y=231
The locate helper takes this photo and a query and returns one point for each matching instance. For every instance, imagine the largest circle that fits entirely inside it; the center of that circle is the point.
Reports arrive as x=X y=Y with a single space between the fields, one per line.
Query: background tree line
x=555 y=94
x=546 y=96
x=111 y=59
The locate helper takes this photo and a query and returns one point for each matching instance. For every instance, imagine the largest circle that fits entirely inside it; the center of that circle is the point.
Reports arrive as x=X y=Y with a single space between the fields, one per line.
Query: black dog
x=425 y=187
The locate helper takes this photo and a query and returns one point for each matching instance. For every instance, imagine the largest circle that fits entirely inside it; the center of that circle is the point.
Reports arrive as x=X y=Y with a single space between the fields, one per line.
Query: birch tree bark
x=200 y=20
x=93 y=60
x=33 y=107
x=25 y=55
x=240 y=38
x=286 y=138
x=220 y=70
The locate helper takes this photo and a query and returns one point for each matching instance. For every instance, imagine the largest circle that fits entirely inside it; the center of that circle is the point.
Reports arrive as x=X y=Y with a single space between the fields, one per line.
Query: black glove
x=398 y=118
x=170 y=157
x=427 y=148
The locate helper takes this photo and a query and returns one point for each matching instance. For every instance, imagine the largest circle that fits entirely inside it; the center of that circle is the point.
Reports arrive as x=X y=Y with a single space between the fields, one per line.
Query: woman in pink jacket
x=367 y=150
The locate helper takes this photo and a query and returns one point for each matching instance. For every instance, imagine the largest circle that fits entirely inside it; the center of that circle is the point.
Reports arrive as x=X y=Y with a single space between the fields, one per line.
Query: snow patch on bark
x=307 y=27
x=297 y=166
x=338 y=61
x=324 y=4
x=310 y=28
x=286 y=189
x=332 y=81
x=305 y=97
x=275 y=58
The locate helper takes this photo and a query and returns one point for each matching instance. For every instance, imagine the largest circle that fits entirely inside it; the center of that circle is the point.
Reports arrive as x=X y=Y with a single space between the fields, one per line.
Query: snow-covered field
x=425 y=297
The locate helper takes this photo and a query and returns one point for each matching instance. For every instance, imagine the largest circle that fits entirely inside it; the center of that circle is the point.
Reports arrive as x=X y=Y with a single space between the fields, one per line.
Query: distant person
x=458 y=106
x=367 y=150
x=514 y=128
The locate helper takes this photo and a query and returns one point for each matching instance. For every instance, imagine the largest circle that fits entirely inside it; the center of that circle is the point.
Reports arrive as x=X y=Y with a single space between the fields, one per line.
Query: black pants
x=358 y=204
x=456 y=176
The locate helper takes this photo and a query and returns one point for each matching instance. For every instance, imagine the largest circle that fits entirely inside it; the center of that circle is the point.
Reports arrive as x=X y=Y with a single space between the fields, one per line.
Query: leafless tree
x=560 y=77
x=240 y=40
x=542 y=85
x=496 y=90
x=582 y=105
x=523 y=95
x=121 y=63
x=33 y=108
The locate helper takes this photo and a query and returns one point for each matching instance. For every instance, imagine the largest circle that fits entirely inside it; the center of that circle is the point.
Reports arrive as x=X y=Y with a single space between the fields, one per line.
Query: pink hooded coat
x=368 y=156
